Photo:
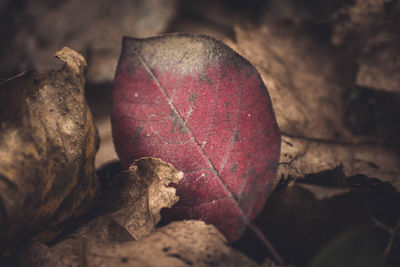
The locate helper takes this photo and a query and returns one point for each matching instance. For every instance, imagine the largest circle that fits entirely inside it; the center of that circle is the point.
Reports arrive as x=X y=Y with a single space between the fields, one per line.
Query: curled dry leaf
x=47 y=149
x=131 y=206
x=191 y=100
x=140 y=194
x=127 y=235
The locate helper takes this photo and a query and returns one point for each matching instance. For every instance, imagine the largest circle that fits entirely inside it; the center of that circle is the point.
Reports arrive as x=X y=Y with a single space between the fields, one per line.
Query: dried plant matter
x=128 y=206
x=137 y=196
x=302 y=76
x=323 y=126
x=302 y=156
x=128 y=235
x=185 y=243
x=305 y=215
x=47 y=149
x=91 y=27
x=191 y=100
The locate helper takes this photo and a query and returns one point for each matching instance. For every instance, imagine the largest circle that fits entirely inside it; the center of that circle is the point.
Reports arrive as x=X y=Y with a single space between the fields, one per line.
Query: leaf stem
x=261 y=236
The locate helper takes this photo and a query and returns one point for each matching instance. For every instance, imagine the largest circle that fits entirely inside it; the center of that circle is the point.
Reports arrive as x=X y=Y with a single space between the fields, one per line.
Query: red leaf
x=192 y=101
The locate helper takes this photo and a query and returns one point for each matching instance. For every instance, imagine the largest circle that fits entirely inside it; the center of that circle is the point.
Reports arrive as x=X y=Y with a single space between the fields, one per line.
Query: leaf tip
x=74 y=61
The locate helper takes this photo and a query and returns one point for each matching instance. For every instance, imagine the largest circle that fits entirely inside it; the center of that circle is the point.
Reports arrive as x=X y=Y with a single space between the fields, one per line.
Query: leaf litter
x=356 y=139
x=46 y=129
x=327 y=122
x=129 y=236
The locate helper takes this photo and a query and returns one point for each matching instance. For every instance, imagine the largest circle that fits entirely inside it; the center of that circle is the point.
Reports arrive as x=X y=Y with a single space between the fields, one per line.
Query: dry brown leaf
x=303 y=216
x=302 y=76
x=178 y=244
x=130 y=207
x=47 y=147
x=185 y=243
x=127 y=236
x=308 y=80
x=301 y=156
x=145 y=194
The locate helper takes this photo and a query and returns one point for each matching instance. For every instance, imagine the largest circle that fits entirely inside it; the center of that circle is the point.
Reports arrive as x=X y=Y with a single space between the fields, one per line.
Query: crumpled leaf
x=309 y=81
x=143 y=194
x=127 y=236
x=47 y=147
x=130 y=206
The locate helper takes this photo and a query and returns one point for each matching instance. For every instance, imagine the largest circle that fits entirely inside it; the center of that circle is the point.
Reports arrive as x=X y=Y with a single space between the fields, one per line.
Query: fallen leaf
x=184 y=243
x=301 y=156
x=128 y=235
x=191 y=100
x=127 y=209
x=306 y=214
x=323 y=126
x=139 y=199
x=303 y=76
x=129 y=206
x=47 y=147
